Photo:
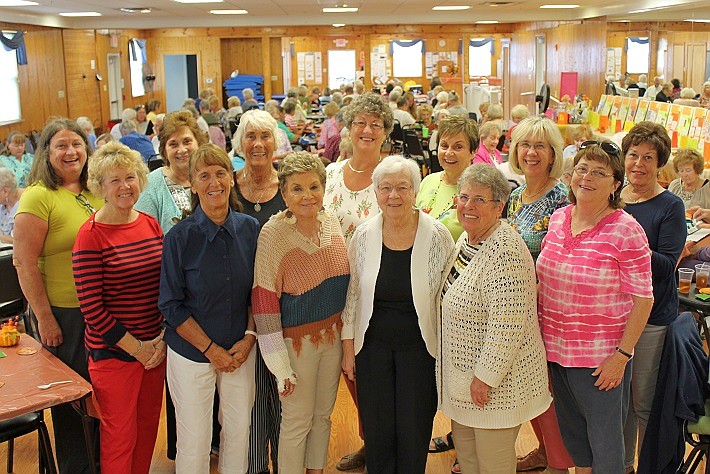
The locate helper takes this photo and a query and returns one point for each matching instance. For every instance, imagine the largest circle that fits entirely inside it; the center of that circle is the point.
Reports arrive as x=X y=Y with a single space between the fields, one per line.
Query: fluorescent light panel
x=77 y=14
x=698 y=20
x=228 y=12
x=558 y=6
x=199 y=1
x=340 y=10
x=451 y=7
x=338 y=25
x=487 y=22
x=17 y=3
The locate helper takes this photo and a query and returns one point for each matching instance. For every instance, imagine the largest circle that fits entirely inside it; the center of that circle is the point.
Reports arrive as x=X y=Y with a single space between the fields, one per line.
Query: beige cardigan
x=432 y=247
x=490 y=330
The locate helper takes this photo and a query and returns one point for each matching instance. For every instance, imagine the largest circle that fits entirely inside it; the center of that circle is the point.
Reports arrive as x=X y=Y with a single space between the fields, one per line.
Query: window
x=407 y=58
x=341 y=67
x=9 y=85
x=637 y=55
x=136 y=56
x=480 y=53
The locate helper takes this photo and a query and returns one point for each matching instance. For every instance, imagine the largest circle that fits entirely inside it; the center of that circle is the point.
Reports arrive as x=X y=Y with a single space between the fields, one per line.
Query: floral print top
x=532 y=220
x=352 y=208
x=21 y=168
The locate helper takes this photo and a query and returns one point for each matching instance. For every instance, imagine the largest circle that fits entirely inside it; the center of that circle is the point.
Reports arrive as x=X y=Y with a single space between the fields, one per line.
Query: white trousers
x=192 y=388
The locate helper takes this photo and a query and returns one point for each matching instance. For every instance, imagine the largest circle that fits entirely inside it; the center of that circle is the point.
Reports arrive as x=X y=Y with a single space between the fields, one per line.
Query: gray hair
x=687 y=93
x=495 y=111
x=300 y=162
x=85 y=124
x=337 y=96
x=258 y=120
x=7 y=179
x=369 y=103
x=128 y=114
x=395 y=95
x=395 y=164
x=247 y=93
x=483 y=174
x=127 y=126
x=442 y=97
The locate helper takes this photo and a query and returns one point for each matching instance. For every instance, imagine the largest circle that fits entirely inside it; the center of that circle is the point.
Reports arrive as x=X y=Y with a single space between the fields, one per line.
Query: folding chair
x=397 y=139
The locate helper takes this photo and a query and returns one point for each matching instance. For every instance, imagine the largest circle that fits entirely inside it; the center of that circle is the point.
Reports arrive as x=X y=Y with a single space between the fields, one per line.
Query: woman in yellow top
x=51 y=210
x=458 y=142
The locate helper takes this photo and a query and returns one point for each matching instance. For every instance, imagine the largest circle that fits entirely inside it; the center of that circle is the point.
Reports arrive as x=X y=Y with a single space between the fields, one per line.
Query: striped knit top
x=299 y=288
x=586 y=284
x=117 y=275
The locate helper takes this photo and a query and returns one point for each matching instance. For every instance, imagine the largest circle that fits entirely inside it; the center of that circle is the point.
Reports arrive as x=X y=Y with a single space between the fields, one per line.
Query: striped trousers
x=265 y=419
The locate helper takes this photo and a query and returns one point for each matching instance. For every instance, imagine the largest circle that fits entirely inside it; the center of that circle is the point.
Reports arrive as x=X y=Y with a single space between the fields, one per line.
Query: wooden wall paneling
x=41 y=80
x=83 y=97
x=244 y=55
x=322 y=44
x=266 y=65
x=522 y=69
x=276 y=60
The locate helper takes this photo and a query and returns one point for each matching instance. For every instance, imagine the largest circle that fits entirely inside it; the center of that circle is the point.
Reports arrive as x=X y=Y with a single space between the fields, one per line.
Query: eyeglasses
x=81 y=199
x=477 y=201
x=538 y=146
x=596 y=173
x=610 y=148
x=374 y=126
x=386 y=189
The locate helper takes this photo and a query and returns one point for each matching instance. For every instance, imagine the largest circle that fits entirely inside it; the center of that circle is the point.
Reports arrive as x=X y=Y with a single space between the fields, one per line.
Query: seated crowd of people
x=241 y=286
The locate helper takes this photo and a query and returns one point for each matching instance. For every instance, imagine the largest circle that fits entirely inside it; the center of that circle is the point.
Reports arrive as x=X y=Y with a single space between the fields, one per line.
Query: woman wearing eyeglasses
x=594 y=298
x=349 y=193
x=492 y=374
x=390 y=320
x=536 y=153
x=661 y=213
x=52 y=209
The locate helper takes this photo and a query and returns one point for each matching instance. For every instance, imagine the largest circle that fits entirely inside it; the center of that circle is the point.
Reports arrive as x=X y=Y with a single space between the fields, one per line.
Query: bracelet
x=251 y=333
x=140 y=347
x=208 y=348
x=624 y=353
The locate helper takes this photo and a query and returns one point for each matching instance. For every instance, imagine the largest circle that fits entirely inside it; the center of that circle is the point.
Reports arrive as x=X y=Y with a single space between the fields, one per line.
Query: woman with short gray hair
x=492 y=371
x=9 y=199
x=390 y=324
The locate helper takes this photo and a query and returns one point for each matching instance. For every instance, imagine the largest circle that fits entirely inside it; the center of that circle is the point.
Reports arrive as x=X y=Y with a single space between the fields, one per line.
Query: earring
x=611 y=197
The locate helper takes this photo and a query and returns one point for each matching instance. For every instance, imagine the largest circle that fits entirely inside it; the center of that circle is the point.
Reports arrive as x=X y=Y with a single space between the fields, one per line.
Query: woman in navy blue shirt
x=206 y=279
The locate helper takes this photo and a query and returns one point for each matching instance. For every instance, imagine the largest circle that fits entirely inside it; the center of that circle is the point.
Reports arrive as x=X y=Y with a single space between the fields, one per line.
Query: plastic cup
x=702 y=272
x=685 y=277
x=425 y=132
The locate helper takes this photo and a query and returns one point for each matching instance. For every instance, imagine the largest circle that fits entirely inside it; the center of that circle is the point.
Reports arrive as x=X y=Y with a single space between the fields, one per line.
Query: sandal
x=441 y=445
x=456 y=469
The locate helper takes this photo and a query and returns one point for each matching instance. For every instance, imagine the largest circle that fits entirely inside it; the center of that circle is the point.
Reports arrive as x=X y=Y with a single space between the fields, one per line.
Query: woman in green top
x=51 y=210
x=457 y=144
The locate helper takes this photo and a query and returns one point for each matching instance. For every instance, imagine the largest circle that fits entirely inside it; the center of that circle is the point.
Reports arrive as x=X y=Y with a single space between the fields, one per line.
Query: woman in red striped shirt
x=116 y=264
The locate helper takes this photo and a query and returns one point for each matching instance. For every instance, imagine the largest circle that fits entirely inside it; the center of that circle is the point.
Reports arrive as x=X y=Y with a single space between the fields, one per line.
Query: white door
x=341 y=67
x=115 y=85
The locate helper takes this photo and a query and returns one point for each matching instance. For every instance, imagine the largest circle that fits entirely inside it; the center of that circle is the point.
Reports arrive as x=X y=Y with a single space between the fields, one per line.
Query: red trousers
x=548 y=434
x=130 y=399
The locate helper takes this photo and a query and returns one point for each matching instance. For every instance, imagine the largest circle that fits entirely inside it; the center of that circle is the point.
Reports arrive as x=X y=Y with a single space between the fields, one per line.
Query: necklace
x=257 y=206
x=449 y=205
x=530 y=196
x=360 y=171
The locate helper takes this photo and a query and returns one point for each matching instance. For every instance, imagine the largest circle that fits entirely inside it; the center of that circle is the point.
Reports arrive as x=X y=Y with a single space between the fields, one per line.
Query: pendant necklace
x=257 y=206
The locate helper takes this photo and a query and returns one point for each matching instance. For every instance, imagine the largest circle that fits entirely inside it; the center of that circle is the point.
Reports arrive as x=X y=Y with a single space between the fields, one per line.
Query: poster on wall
x=310 y=67
x=319 y=68
x=301 y=67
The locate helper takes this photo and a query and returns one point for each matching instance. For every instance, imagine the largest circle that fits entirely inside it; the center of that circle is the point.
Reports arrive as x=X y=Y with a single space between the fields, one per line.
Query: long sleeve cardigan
x=433 y=246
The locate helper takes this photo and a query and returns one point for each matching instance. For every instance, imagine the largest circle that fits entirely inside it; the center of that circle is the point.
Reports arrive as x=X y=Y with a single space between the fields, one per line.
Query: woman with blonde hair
x=690 y=186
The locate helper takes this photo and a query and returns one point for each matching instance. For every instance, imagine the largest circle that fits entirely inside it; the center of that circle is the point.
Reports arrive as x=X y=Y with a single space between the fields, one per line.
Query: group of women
x=410 y=275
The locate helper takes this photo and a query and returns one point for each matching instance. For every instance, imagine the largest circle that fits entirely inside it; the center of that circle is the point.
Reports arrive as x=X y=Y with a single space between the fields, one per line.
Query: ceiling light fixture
x=78 y=14
x=228 y=12
x=445 y=8
x=338 y=25
x=552 y=6
x=136 y=10
x=17 y=3
x=487 y=22
x=698 y=20
x=199 y=1
x=343 y=9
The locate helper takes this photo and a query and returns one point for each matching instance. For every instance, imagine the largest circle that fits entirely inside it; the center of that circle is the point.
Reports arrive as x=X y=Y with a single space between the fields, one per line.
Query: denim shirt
x=207 y=273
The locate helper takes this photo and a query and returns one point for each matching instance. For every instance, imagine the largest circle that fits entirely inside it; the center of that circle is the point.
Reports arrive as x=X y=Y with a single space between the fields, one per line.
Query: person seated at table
x=117 y=253
x=483 y=112
x=579 y=134
x=153 y=109
x=127 y=114
x=88 y=127
x=394 y=96
x=676 y=88
x=411 y=103
x=401 y=113
x=297 y=126
x=653 y=89
x=17 y=160
x=517 y=113
x=425 y=114
x=136 y=141
x=330 y=124
x=704 y=96
x=454 y=105
x=249 y=101
x=10 y=198
x=141 y=119
x=495 y=115
x=487 y=152
x=693 y=189
x=666 y=93
x=687 y=97
x=234 y=107
x=442 y=100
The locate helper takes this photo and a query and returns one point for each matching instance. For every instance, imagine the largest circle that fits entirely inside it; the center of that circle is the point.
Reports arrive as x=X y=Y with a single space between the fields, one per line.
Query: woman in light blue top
x=17 y=160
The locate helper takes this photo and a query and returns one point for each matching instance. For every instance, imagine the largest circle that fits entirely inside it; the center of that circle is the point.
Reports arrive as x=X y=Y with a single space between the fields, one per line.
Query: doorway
x=341 y=67
x=540 y=62
x=115 y=86
x=180 y=79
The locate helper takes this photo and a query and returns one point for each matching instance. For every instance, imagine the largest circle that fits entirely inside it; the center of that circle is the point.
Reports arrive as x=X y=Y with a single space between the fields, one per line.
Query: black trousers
x=70 y=446
x=396 y=391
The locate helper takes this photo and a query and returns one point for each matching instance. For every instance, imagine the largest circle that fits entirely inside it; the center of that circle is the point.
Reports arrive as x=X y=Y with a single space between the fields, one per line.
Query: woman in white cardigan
x=492 y=368
x=390 y=325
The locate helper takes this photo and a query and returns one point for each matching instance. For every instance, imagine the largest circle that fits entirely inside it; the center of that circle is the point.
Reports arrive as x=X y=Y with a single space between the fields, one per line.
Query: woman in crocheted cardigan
x=390 y=325
x=491 y=370
x=300 y=281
